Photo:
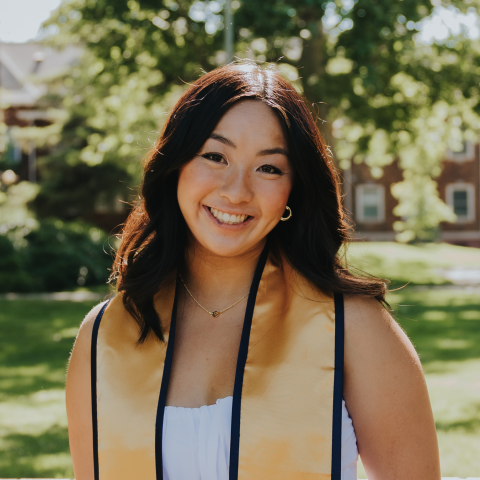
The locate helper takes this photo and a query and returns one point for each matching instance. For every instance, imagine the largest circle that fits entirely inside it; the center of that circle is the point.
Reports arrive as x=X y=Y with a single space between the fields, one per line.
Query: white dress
x=196 y=442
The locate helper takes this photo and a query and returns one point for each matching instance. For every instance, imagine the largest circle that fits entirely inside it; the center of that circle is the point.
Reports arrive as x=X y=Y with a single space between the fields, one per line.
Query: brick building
x=372 y=203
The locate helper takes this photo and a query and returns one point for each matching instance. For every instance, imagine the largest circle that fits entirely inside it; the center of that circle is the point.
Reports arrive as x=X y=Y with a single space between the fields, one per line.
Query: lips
x=229 y=219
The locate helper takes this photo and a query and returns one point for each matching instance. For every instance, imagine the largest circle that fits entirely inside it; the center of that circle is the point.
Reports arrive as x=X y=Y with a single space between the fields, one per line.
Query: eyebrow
x=273 y=151
x=268 y=151
x=222 y=139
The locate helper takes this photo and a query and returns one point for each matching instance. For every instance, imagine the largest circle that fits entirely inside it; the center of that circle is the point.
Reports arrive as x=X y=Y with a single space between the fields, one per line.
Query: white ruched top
x=196 y=442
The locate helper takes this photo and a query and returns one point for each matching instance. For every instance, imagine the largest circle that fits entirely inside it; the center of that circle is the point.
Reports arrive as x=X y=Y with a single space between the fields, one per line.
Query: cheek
x=193 y=186
x=273 y=199
x=186 y=190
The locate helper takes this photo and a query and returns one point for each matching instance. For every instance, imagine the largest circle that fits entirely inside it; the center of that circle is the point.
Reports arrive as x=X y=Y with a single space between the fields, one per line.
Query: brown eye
x=214 y=157
x=269 y=169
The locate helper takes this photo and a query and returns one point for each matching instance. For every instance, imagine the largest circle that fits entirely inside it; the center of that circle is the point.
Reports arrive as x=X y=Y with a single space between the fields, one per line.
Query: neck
x=217 y=279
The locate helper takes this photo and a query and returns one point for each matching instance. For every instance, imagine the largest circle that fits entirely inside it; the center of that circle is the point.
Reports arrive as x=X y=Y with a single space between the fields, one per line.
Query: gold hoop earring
x=289 y=215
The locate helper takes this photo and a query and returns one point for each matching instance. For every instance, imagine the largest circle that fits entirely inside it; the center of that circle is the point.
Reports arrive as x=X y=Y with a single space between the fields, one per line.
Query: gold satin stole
x=287 y=401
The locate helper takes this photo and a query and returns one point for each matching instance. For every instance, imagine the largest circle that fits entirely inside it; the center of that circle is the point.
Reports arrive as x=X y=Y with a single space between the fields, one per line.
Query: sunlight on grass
x=459 y=453
x=34 y=413
x=435 y=315
x=451 y=344
x=470 y=314
x=34 y=354
x=33 y=435
x=414 y=264
x=455 y=397
x=27 y=378
x=442 y=324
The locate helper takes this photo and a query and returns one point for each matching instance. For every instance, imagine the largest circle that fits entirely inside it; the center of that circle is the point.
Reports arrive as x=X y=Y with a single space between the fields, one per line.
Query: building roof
x=24 y=66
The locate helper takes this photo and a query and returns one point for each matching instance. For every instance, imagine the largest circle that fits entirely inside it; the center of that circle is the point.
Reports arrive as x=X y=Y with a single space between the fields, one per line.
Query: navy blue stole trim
x=93 y=379
x=162 y=400
x=241 y=361
x=338 y=388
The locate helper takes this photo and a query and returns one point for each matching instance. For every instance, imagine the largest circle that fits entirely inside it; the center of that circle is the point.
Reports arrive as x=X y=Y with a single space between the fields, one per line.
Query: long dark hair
x=155 y=234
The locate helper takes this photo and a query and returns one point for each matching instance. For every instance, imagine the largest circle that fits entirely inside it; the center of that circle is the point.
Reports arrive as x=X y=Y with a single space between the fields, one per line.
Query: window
x=460 y=202
x=467 y=153
x=370 y=203
x=461 y=197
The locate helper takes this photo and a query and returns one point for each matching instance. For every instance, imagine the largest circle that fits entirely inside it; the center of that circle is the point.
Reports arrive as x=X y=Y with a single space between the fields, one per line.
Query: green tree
x=379 y=92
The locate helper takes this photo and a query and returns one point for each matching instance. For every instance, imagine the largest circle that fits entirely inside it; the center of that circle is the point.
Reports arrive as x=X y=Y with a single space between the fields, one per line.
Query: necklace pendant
x=215 y=314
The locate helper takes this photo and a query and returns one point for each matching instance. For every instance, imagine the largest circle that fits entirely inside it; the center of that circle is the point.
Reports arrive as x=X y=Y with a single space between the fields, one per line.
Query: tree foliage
x=380 y=92
x=52 y=256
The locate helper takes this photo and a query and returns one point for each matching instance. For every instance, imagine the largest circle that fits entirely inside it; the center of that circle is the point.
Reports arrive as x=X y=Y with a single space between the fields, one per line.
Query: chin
x=227 y=248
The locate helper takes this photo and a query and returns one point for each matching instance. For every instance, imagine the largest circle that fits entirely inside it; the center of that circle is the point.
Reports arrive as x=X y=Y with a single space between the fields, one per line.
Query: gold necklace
x=215 y=313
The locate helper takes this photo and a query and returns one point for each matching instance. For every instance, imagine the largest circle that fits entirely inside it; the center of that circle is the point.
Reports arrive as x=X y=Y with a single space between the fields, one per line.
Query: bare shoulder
x=78 y=399
x=386 y=395
x=368 y=324
x=378 y=353
x=82 y=346
x=364 y=312
x=82 y=343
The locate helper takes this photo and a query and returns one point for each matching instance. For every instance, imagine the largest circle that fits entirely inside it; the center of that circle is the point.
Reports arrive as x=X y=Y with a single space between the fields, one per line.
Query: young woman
x=239 y=345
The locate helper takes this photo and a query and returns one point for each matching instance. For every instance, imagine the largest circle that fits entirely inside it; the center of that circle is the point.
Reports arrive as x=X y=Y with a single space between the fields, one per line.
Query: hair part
x=154 y=237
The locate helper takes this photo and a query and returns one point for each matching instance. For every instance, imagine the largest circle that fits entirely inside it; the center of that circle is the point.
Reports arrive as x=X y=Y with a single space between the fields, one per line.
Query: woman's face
x=234 y=191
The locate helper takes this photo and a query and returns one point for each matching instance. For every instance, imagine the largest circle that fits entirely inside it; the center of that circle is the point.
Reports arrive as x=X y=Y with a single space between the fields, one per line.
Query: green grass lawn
x=412 y=264
x=35 y=342
x=36 y=337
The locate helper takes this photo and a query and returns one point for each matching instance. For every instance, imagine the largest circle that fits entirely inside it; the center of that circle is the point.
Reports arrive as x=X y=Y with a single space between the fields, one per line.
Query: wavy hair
x=154 y=236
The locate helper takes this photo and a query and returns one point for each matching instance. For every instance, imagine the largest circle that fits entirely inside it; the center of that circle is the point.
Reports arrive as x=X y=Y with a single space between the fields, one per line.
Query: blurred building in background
x=25 y=69
x=23 y=66
x=372 y=204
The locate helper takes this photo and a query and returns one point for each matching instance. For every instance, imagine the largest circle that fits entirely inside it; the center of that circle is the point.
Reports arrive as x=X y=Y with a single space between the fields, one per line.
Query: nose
x=236 y=187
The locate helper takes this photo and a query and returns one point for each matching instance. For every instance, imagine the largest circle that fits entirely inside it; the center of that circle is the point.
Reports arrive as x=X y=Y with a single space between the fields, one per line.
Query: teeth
x=226 y=218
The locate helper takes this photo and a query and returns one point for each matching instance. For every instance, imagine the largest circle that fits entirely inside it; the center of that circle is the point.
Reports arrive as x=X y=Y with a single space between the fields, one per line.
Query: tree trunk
x=312 y=70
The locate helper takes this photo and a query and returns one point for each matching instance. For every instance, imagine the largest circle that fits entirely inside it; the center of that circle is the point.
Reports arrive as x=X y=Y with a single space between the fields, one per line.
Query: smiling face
x=234 y=191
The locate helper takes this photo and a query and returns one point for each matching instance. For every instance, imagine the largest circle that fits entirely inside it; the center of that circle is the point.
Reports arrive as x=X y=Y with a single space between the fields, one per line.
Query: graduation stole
x=287 y=399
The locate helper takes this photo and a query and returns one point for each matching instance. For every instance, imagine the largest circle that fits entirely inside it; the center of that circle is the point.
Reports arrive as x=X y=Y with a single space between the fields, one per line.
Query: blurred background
x=85 y=86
